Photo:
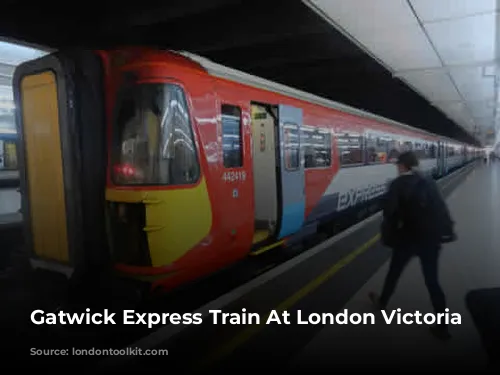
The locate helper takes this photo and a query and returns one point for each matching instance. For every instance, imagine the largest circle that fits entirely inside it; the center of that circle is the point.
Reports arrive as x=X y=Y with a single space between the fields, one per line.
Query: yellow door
x=43 y=154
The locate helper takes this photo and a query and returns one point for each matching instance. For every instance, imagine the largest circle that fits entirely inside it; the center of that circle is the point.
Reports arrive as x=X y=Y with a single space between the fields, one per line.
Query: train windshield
x=152 y=137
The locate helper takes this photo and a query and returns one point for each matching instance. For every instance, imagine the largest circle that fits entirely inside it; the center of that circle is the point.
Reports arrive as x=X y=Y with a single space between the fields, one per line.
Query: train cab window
x=317 y=145
x=291 y=143
x=231 y=136
x=351 y=149
x=153 y=141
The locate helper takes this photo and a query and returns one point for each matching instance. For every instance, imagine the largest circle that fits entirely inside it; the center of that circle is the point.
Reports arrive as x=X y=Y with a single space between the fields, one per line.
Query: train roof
x=235 y=75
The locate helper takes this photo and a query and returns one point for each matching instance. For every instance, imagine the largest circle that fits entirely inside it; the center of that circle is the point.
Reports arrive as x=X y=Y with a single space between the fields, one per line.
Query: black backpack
x=426 y=207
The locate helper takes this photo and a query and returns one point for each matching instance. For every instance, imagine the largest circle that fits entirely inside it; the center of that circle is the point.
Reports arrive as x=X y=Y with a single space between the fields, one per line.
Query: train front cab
x=159 y=209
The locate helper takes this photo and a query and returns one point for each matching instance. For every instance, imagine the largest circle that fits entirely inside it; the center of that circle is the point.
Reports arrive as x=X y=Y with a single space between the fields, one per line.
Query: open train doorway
x=278 y=168
x=265 y=171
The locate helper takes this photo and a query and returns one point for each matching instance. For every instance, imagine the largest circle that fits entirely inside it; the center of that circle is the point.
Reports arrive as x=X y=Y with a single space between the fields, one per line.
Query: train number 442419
x=232 y=176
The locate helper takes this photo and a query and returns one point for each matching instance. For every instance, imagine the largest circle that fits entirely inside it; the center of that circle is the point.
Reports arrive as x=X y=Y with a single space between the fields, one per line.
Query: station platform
x=467 y=265
x=337 y=275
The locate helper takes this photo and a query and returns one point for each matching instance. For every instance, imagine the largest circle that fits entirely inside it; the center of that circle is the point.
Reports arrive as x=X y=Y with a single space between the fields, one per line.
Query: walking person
x=416 y=222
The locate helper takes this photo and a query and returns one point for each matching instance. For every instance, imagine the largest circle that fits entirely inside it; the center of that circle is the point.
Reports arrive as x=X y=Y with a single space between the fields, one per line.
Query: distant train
x=205 y=164
x=8 y=150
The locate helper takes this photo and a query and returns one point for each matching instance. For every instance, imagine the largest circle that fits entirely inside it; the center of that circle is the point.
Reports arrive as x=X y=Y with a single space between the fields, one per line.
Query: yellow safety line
x=227 y=348
x=267 y=248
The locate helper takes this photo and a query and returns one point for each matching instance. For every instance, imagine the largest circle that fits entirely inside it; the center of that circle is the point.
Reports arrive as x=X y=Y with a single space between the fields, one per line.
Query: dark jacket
x=415 y=213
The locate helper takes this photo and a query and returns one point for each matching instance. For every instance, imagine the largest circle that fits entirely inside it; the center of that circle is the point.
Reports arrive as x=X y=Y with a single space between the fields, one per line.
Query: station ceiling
x=282 y=40
x=446 y=50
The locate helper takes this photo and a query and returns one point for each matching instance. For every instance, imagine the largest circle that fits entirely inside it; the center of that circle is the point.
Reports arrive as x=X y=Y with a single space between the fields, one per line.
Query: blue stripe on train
x=292 y=219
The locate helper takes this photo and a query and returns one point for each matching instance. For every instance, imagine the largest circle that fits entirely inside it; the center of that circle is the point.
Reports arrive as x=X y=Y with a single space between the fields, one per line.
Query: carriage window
x=153 y=138
x=407 y=146
x=394 y=149
x=350 y=149
x=291 y=148
x=376 y=149
x=231 y=136
x=317 y=147
x=420 y=149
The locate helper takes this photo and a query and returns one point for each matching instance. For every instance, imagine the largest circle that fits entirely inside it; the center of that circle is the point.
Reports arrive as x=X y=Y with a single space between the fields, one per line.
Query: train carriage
x=206 y=165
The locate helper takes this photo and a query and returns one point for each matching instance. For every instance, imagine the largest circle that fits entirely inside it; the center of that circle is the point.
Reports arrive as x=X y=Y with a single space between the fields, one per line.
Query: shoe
x=376 y=301
x=440 y=332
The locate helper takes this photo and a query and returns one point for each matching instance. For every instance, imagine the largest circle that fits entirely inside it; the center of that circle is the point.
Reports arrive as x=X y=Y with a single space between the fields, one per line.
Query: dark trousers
x=429 y=257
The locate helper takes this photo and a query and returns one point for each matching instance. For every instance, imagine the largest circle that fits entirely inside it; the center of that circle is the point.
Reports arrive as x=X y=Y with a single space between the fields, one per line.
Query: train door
x=236 y=193
x=279 y=179
x=292 y=171
x=265 y=171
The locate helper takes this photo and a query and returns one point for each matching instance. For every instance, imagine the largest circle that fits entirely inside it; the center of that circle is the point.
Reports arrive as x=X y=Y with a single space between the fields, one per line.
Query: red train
x=206 y=164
